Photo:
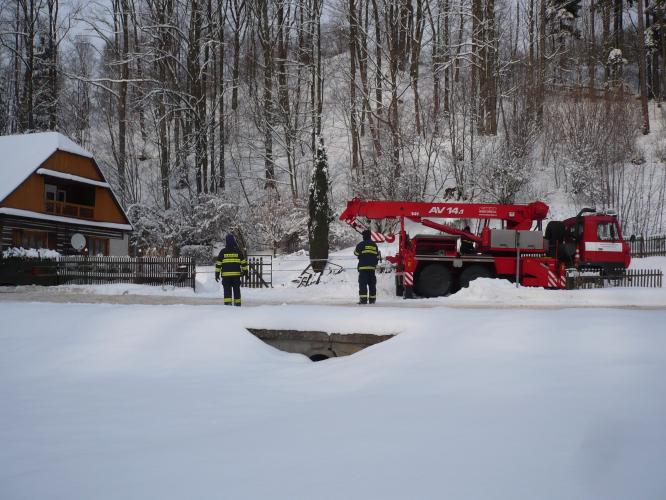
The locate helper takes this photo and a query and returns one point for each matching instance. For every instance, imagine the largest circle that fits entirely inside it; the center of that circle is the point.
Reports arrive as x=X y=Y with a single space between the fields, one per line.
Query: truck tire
x=434 y=280
x=472 y=272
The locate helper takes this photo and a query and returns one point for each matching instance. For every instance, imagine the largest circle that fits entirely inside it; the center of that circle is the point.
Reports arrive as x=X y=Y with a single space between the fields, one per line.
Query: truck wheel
x=434 y=281
x=470 y=273
x=399 y=287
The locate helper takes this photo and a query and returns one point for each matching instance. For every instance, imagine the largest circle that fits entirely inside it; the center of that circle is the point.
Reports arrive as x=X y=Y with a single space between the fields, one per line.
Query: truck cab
x=598 y=240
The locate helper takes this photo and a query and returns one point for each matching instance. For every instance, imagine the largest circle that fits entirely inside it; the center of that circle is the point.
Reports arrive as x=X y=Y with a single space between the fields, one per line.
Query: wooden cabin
x=52 y=189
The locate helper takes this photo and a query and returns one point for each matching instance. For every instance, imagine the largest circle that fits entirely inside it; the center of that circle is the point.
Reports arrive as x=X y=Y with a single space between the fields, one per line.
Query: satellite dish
x=78 y=241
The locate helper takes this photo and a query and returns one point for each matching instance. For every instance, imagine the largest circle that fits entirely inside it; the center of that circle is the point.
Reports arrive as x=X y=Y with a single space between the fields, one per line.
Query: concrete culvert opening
x=317 y=346
x=318 y=357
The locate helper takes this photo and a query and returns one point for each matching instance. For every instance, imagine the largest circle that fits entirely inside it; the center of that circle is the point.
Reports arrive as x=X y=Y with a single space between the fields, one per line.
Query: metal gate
x=260 y=272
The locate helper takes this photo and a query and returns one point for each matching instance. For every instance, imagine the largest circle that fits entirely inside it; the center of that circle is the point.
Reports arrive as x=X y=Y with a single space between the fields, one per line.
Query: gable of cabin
x=69 y=163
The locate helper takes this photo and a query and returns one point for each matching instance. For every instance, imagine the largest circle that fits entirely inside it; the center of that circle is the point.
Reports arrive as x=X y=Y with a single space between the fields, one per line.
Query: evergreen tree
x=318 y=209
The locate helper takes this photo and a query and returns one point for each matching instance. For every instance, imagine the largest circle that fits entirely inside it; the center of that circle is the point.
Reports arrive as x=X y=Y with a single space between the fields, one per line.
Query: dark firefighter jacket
x=230 y=262
x=368 y=255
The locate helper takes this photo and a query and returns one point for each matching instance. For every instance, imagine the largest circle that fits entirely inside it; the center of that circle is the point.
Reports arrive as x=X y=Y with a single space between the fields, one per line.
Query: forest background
x=263 y=117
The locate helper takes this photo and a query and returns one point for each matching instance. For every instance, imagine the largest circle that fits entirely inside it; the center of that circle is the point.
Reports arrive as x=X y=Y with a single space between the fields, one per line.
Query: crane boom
x=516 y=216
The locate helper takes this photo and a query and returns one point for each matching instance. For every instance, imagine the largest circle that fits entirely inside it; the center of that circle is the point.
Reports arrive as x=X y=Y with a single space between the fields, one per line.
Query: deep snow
x=139 y=402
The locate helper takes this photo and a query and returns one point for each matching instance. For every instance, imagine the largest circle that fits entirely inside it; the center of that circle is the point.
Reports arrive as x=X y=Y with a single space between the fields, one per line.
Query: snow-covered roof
x=58 y=218
x=21 y=155
x=71 y=177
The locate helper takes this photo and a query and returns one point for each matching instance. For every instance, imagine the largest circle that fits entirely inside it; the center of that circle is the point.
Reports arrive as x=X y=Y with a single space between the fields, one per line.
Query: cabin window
x=50 y=192
x=98 y=246
x=606 y=231
x=27 y=238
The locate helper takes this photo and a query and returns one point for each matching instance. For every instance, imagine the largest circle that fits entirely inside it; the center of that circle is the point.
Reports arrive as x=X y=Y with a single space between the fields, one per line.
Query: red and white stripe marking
x=408 y=279
x=555 y=281
x=382 y=238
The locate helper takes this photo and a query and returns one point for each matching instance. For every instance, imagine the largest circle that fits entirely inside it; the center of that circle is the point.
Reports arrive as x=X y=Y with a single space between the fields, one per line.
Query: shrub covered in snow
x=202 y=254
x=271 y=222
x=30 y=253
x=199 y=221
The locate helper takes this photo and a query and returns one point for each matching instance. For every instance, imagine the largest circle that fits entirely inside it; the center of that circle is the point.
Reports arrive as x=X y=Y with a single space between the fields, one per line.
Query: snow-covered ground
x=103 y=401
x=342 y=289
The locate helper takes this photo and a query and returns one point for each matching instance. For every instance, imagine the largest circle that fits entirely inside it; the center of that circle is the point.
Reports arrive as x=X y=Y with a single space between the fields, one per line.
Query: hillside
x=205 y=116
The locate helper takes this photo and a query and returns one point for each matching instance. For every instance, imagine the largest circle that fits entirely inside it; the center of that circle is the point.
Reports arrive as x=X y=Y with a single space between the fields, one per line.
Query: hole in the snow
x=318 y=357
x=317 y=346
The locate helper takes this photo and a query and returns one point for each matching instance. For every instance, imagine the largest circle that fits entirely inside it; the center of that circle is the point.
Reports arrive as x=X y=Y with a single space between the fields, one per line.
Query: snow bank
x=137 y=402
x=493 y=293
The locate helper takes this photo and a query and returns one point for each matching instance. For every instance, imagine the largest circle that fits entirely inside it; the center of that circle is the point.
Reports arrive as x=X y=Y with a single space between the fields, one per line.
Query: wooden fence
x=648 y=247
x=260 y=272
x=649 y=278
x=83 y=270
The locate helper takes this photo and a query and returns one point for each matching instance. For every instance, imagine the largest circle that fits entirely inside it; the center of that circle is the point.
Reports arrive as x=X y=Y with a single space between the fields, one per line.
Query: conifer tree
x=319 y=210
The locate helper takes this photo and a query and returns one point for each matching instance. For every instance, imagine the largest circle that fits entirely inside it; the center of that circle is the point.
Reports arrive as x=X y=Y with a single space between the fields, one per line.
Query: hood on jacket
x=366 y=235
x=230 y=240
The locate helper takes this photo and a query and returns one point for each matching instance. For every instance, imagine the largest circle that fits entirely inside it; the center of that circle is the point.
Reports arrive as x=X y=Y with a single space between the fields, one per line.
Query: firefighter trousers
x=231 y=286
x=367 y=286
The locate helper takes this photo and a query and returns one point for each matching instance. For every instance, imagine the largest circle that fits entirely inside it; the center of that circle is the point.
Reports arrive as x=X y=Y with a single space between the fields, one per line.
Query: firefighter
x=231 y=263
x=368 y=257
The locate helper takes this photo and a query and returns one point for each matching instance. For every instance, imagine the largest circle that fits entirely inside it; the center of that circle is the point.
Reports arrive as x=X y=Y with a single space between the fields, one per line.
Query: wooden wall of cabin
x=28 y=196
x=106 y=208
x=73 y=164
x=61 y=233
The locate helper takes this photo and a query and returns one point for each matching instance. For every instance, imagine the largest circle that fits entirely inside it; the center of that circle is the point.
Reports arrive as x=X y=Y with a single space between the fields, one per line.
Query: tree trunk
x=531 y=61
x=642 y=76
x=491 y=65
x=542 y=62
x=605 y=34
x=267 y=48
x=591 y=51
x=353 y=28
x=53 y=7
x=16 y=124
x=378 y=59
x=28 y=121
x=238 y=13
x=415 y=55
x=476 y=62
x=221 y=167
x=122 y=101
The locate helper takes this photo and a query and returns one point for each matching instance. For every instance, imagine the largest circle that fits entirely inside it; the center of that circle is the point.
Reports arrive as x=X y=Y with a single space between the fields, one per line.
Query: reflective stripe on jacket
x=368 y=255
x=230 y=262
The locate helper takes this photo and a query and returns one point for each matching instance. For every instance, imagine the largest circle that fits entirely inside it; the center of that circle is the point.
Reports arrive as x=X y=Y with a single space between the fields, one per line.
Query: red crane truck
x=437 y=264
